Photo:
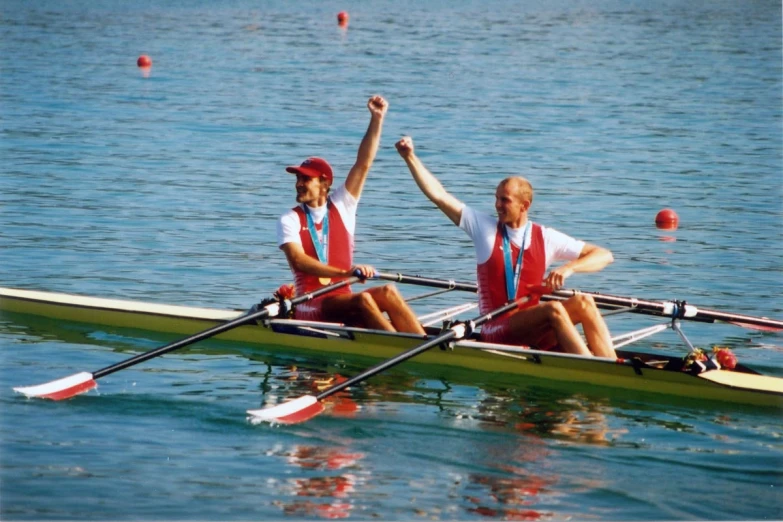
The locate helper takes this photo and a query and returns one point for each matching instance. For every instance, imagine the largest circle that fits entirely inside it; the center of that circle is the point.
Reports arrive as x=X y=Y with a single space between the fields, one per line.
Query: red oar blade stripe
x=60 y=389
x=291 y=412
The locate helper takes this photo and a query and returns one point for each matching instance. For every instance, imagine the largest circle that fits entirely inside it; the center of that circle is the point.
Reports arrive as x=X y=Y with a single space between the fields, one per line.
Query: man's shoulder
x=341 y=196
x=288 y=226
x=289 y=214
x=472 y=214
x=562 y=240
x=550 y=231
x=345 y=203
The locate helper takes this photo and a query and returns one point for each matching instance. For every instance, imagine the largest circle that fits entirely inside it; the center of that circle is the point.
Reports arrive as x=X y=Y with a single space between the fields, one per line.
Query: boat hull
x=287 y=336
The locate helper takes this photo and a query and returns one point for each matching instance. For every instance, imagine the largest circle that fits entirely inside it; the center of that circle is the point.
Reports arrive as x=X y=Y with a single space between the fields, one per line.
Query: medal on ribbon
x=321 y=243
x=512 y=278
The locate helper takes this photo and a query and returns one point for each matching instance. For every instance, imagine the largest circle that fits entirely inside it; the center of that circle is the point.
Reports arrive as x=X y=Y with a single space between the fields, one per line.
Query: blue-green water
x=166 y=186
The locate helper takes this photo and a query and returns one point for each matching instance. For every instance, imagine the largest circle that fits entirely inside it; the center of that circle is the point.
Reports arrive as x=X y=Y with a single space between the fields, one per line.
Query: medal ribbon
x=321 y=244
x=512 y=280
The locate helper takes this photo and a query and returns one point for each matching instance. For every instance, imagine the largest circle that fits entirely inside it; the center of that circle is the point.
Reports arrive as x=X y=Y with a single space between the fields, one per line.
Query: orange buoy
x=144 y=61
x=342 y=18
x=667 y=219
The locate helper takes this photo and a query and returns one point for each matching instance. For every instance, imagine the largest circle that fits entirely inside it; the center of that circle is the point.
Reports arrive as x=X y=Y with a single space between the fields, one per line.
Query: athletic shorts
x=497 y=331
x=309 y=310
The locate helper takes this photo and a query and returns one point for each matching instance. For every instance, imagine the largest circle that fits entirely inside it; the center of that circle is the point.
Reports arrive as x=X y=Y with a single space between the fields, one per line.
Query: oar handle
x=272 y=309
x=457 y=331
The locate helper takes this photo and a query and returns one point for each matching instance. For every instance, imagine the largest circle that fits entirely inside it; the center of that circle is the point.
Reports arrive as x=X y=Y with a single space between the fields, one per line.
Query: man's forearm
x=368 y=148
x=314 y=267
x=428 y=183
x=596 y=259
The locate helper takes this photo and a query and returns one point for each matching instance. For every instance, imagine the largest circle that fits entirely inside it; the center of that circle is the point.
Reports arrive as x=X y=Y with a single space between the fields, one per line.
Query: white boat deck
x=123 y=305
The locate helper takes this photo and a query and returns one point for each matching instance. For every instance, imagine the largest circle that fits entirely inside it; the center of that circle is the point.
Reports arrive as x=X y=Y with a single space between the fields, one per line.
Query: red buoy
x=342 y=18
x=667 y=219
x=144 y=61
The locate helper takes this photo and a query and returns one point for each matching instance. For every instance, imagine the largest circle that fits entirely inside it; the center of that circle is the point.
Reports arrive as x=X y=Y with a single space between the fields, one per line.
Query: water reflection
x=568 y=417
x=580 y=425
x=324 y=495
x=545 y=413
x=519 y=487
x=509 y=498
x=515 y=477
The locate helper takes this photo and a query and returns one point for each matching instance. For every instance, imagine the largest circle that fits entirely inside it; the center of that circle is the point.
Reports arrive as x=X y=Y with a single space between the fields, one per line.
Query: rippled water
x=165 y=186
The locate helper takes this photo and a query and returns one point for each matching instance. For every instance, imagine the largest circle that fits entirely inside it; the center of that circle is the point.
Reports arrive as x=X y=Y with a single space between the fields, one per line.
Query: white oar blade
x=291 y=412
x=60 y=389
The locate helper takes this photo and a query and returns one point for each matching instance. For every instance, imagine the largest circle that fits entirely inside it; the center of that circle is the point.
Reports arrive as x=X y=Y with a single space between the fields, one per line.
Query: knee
x=364 y=301
x=390 y=293
x=584 y=302
x=556 y=312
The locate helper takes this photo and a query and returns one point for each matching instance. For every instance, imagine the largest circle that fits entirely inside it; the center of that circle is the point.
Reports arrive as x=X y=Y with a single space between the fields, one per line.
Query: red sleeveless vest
x=491 y=274
x=340 y=250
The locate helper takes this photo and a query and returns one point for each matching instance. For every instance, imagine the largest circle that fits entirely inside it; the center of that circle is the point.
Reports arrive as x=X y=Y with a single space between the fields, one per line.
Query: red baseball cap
x=314 y=168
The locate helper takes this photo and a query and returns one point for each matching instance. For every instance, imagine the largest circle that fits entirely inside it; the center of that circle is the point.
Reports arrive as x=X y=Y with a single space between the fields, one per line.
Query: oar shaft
x=388 y=364
x=180 y=343
x=669 y=309
x=715 y=315
x=660 y=308
x=425 y=281
x=216 y=330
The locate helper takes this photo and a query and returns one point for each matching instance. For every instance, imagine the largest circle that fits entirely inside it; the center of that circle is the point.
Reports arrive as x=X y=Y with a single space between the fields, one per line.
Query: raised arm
x=428 y=183
x=368 y=148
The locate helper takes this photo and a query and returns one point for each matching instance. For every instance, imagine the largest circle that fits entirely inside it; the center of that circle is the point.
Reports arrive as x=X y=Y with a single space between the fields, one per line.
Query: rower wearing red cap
x=512 y=254
x=317 y=237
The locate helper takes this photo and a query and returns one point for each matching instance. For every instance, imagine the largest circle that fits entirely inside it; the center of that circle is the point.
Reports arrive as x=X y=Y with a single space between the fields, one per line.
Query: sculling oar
x=308 y=406
x=73 y=385
x=674 y=309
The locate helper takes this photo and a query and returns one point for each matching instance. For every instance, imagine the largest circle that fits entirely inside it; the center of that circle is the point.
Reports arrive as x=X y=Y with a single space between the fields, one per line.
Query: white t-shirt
x=482 y=229
x=288 y=225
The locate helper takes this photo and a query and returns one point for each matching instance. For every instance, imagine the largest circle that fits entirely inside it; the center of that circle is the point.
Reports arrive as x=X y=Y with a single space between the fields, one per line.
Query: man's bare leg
x=528 y=326
x=358 y=309
x=389 y=300
x=582 y=309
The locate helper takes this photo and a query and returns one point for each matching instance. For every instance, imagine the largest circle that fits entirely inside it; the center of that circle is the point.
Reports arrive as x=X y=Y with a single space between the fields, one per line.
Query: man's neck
x=519 y=223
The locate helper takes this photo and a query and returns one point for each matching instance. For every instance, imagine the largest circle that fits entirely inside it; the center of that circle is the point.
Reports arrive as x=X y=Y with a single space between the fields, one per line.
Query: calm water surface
x=165 y=186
